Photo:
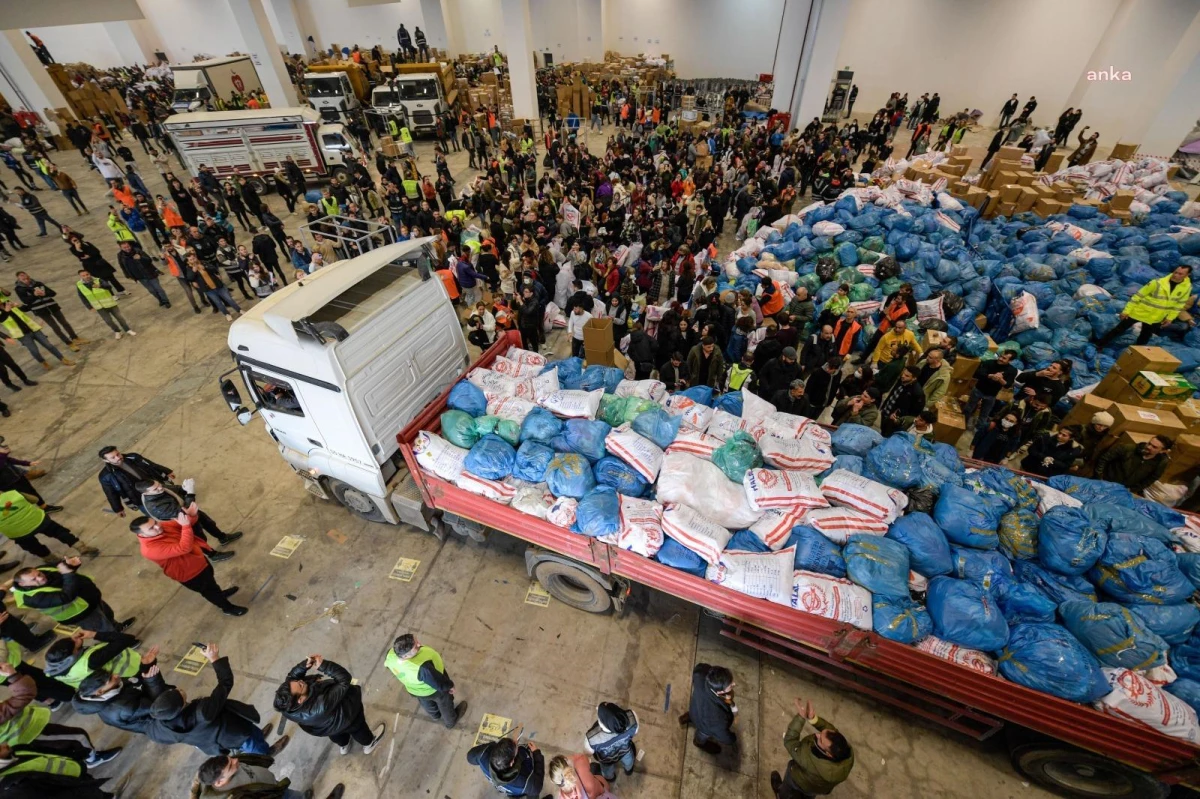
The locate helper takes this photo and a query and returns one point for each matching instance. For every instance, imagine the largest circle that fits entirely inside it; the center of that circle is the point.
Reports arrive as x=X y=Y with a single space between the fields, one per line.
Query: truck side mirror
x=232 y=396
x=244 y=416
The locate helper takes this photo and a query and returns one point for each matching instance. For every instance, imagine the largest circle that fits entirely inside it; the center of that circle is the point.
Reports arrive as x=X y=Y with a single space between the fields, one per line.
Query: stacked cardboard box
x=950 y=424
x=598 y=346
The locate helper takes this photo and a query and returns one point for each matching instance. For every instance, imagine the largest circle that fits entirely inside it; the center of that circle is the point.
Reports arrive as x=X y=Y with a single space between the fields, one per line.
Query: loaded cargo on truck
x=209 y=84
x=352 y=371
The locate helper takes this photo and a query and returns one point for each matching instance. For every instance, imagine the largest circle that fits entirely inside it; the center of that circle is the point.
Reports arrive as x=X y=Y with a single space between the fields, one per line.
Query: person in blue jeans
x=38 y=211
x=249 y=775
x=991 y=377
x=215 y=724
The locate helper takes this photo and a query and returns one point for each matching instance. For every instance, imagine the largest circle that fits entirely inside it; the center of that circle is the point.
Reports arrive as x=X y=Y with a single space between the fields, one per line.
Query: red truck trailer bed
x=958 y=697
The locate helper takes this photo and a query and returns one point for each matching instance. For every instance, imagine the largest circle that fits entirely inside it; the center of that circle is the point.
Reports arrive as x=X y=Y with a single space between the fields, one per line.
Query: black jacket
x=1045 y=446
x=816 y=352
x=264 y=247
x=822 y=388
x=129 y=709
x=71 y=585
x=31 y=301
x=212 y=724
x=524 y=779
x=783 y=401
x=333 y=705
x=118 y=483
x=776 y=375
x=641 y=350
x=166 y=506
x=710 y=714
x=136 y=265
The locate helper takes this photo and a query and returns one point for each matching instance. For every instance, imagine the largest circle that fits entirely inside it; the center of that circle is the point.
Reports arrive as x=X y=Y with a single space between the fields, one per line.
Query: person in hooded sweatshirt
x=215 y=724
x=610 y=739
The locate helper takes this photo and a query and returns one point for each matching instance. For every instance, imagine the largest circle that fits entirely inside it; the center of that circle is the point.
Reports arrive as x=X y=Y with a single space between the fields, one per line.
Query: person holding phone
x=184 y=558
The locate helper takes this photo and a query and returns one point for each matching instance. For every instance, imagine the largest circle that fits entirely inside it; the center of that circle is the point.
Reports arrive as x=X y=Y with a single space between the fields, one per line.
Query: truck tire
x=1082 y=775
x=573 y=586
x=257 y=184
x=355 y=501
x=466 y=528
x=338 y=173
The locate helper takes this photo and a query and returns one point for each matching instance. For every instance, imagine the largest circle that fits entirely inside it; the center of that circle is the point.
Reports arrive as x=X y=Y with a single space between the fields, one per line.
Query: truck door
x=282 y=410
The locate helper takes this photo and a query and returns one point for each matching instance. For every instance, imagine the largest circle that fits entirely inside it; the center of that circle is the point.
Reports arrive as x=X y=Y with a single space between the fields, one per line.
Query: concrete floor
x=544 y=667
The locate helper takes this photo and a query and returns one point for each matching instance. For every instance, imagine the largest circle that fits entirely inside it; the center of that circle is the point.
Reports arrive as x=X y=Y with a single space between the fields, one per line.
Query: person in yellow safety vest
x=22 y=518
x=43 y=167
x=66 y=596
x=741 y=375
x=49 y=690
x=393 y=128
x=421 y=671
x=1156 y=304
x=69 y=661
x=120 y=230
x=328 y=203
x=19 y=327
x=97 y=294
x=21 y=723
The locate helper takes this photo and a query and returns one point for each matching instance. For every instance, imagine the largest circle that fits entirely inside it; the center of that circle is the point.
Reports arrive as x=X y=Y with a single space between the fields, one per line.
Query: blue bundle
x=1114 y=635
x=570 y=371
x=855 y=439
x=1173 y=623
x=1058 y=588
x=658 y=426
x=815 y=552
x=584 y=436
x=929 y=552
x=569 y=475
x=745 y=541
x=701 y=395
x=468 y=398
x=1141 y=571
x=968 y=518
x=1112 y=517
x=532 y=460
x=491 y=458
x=1047 y=658
x=878 y=564
x=1187 y=690
x=1021 y=602
x=1090 y=491
x=965 y=614
x=984 y=567
x=900 y=620
x=1068 y=542
x=598 y=513
x=614 y=472
x=677 y=556
x=730 y=402
x=540 y=425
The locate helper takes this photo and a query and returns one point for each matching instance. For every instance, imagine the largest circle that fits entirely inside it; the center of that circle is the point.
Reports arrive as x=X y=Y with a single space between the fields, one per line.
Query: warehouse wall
x=89 y=43
x=334 y=21
x=481 y=22
x=191 y=27
x=707 y=38
x=975 y=53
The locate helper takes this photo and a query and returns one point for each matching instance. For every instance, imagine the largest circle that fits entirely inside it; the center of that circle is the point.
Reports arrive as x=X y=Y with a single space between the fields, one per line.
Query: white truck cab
x=330 y=93
x=420 y=94
x=338 y=363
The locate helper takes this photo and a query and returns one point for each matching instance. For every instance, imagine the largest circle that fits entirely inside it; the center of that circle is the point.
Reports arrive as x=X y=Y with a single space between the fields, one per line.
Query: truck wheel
x=355 y=501
x=1083 y=775
x=572 y=586
x=466 y=528
x=338 y=173
x=257 y=184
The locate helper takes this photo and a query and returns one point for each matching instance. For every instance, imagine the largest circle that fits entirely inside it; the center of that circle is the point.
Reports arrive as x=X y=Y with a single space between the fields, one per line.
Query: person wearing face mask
x=1052 y=454
x=820 y=761
x=712 y=710
x=998 y=439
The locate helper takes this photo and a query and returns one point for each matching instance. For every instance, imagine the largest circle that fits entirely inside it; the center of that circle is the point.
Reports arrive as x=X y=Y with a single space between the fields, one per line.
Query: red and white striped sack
x=838 y=524
x=692 y=529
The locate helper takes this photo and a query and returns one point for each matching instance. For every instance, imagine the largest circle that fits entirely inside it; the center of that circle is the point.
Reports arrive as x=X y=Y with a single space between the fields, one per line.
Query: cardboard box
x=1131 y=418
x=1124 y=439
x=1188 y=412
x=933 y=338
x=1184 y=465
x=1145 y=359
x=1005 y=179
x=1117 y=389
x=1010 y=153
x=1053 y=163
x=1027 y=199
x=1087 y=407
x=963 y=367
x=960 y=389
x=1121 y=200
x=1046 y=207
x=1006 y=209
x=950 y=424
x=1124 y=151
x=1168 y=387
x=598 y=345
x=1010 y=194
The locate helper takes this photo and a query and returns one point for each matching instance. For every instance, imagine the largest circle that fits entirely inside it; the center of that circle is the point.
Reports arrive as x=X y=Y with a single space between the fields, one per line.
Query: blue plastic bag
x=491 y=458
x=540 y=425
x=1047 y=658
x=1185 y=658
x=900 y=620
x=586 y=437
x=532 y=460
x=676 y=555
x=468 y=398
x=1173 y=623
x=1187 y=690
x=1089 y=491
x=745 y=541
x=984 y=567
x=815 y=552
x=1117 y=637
x=1068 y=542
x=611 y=471
x=570 y=371
x=1057 y=587
x=878 y=564
x=968 y=518
x=730 y=402
x=1115 y=518
x=965 y=614
x=1021 y=602
x=569 y=475
x=1019 y=534
x=855 y=439
x=701 y=395
x=1141 y=571
x=929 y=552
x=658 y=426
x=599 y=513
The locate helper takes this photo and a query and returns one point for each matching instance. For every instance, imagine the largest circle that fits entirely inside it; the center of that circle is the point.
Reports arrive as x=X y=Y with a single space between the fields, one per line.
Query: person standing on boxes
x=421 y=671
x=1156 y=304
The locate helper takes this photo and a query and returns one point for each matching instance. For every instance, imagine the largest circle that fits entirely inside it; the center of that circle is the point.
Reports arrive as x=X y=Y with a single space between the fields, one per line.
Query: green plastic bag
x=866 y=256
x=810 y=282
x=507 y=429
x=459 y=428
x=612 y=409
x=738 y=454
x=873 y=243
x=861 y=292
x=848 y=274
x=637 y=406
x=891 y=286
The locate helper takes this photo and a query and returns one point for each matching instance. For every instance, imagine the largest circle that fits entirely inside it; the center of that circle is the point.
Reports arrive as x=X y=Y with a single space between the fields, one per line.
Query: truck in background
x=256 y=142
x=423 y=95
x=199 y=85
x=335 y=90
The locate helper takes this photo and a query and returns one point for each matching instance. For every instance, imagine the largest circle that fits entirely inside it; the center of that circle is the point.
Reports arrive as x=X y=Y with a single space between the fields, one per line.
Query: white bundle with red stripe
x=790 y=425
x=948 y=203
x=972 y=659
x=754 y=408
x=827 y=228
x=775 y=526
x=514 y=408
x=515 y=368
x=766 y=575
x=492 y=489
x=1085 y=237
x=844 y=487
x=645 y=389
x=804 y=454
x=562 y=512
x=693 y=442
x=775 y=488
x=573 y=404
x=436 y=454
x=525 y=356
x=838 y=523
x=638 y=451
x=493 y=382
x=641 y=526
x=723 y=425
x=866 y=270
x=695 y=415
x=831 y=598
x=1135 y=698
x=699 y=483
x=694 y=530
x=944 y=220
x=917 y=583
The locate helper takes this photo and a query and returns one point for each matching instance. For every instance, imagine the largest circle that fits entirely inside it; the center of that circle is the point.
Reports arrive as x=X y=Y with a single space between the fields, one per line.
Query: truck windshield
x=355 y=305
x=188 y=95
x=323 y=87
x=386 y=97
x=419 y=89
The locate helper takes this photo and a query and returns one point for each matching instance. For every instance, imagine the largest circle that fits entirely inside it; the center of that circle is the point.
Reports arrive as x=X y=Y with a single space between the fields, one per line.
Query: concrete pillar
x=591 y=30
x=129 y=45
x=518 y=37
x=290 y=36
x=251 y=19
x=24 y=81
x=819 y=62
x=452 y=22
x=789 y=48
x=1177 y=116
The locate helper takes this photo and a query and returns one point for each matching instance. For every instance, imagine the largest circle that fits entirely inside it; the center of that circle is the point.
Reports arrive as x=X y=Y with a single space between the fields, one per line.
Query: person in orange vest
x=176 y=265
x=450 y=283
x=845 y=331
x=900 y=305
x=656 y=116
x=625 y=109
x=771 y=298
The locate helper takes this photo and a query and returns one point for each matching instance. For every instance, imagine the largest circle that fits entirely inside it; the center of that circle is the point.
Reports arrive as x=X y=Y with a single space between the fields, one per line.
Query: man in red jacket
x=185 y=559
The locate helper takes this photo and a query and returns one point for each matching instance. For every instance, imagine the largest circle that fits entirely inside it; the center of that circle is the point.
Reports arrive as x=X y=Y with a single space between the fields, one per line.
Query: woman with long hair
x=575 y=779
